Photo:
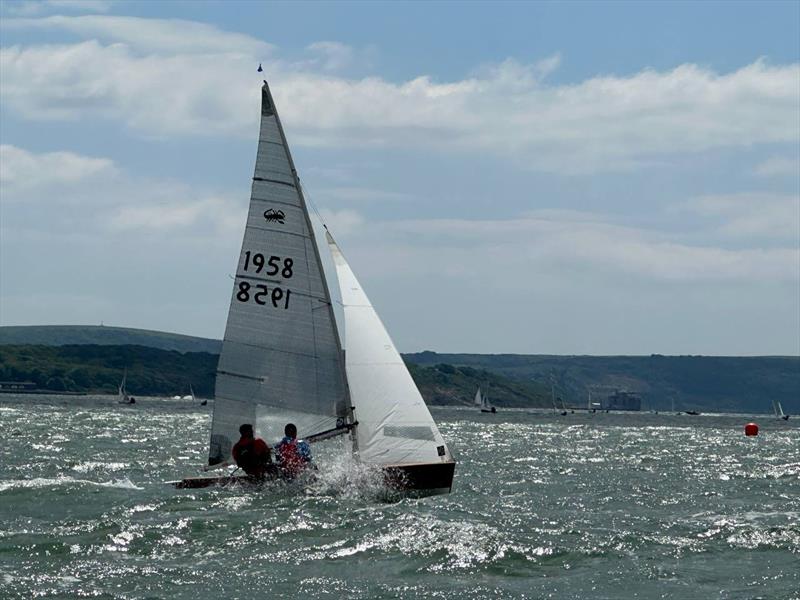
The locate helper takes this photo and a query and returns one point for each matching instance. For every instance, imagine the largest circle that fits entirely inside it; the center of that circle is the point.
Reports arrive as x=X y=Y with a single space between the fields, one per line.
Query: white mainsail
x=394 y=424
x=281 y=357
x=776 y=406
x=478 y=398
x=122 y=393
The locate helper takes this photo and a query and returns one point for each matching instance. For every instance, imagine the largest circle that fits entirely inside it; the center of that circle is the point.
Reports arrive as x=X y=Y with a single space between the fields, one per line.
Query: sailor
x=251 y=454
x=292 y=455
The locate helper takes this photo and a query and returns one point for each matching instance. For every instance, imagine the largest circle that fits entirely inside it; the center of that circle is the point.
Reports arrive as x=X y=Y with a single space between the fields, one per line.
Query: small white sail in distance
x=395 y=426
x=478 y=398
x=122 y=392
x=776 y=406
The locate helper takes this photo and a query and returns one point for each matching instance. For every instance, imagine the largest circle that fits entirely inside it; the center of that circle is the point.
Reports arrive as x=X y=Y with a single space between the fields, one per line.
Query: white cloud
x=23 y=170
x=184 y=78
x=175 y=215
x=749 y=215
x=30 y=8
x=99 y=197
x=779 y=166
x=342 y=222
x=519 y=254
x=332 y=56
x=176 y=36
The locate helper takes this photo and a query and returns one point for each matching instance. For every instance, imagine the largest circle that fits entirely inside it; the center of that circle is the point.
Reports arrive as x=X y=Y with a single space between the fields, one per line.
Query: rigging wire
x=313 y=204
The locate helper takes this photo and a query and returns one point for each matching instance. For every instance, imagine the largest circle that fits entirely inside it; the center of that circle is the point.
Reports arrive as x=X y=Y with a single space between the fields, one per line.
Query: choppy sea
x=543 y=506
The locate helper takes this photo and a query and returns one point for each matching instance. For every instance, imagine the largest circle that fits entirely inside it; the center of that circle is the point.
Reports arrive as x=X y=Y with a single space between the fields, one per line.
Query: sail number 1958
x=257 y=262
x=260 y=293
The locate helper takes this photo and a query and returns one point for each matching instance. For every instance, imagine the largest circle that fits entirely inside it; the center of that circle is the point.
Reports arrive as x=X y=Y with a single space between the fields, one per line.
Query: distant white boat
x=122 y=393
x=482 y=402
x=778 y=409
x=563 y=410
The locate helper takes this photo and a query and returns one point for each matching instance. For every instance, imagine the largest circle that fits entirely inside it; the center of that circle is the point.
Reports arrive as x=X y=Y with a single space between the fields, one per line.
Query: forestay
x=394 y=424
x=281 y=356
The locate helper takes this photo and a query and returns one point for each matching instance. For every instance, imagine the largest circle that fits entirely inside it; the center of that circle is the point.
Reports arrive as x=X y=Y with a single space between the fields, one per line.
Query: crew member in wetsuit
x=293 y=456
x=251 y=454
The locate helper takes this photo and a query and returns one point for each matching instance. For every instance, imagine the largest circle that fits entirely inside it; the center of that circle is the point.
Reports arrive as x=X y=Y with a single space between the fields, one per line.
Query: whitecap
x=45 y=482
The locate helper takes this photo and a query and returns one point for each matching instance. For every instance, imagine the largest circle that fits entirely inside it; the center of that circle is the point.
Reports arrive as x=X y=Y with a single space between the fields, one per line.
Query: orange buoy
x=751 y=429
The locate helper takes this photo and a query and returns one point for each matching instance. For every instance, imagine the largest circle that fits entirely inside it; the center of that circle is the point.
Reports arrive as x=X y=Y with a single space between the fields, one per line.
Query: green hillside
x=62 y=335
x=705 y=383
x=152 y=371
x=99 y=369
x=693 y=382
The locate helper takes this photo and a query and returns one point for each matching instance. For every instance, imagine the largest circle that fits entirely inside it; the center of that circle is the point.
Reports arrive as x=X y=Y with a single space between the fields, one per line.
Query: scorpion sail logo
x=274 y=215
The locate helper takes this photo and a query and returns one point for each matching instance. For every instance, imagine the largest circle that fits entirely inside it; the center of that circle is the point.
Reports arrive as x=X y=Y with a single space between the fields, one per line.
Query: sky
x=543 y=178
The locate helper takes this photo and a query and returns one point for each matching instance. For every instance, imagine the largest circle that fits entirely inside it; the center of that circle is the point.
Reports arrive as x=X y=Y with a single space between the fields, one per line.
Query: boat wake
x=344 y=477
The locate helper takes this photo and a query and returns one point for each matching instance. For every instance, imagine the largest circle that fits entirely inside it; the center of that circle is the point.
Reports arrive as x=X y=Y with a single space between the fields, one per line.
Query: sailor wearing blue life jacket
x=292 y=456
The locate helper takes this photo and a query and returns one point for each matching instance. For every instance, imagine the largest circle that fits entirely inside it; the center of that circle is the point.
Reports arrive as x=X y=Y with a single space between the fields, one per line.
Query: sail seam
x=258 y=228
x=278 y=181
x=232 y=374
x=270 y=349
x=271 y=201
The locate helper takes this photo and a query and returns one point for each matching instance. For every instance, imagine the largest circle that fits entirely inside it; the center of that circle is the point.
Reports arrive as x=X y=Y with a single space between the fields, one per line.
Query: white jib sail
x=281 y=358
x=394 y=424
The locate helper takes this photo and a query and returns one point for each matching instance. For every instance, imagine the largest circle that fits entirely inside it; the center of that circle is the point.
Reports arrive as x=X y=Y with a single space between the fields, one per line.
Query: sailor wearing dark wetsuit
x=251 y=454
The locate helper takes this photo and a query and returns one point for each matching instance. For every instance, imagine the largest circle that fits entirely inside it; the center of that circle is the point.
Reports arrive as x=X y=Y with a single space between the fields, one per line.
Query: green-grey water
x=543 y=506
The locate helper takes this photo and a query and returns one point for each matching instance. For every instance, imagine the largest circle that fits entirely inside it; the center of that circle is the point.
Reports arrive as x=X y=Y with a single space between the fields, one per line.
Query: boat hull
x=192 y=483
x=272 y=474
x=426 y=479
x=416 y=480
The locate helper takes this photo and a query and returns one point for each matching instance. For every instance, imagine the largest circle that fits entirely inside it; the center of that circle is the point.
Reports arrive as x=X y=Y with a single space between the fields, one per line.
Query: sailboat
x=122 y=393
x=283 y=359
x=482 y=402
x=553 y=398
x=779 y=414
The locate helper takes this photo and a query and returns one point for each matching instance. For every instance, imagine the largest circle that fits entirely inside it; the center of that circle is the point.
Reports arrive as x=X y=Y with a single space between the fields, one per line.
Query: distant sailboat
x=282 y=358
x=553 y=398
x=122 y=393
x=778 y=409
x=482 y=402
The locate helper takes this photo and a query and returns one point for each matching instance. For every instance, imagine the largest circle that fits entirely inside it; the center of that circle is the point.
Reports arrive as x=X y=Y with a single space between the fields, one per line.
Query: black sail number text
x=274 y=264
x=262 y=295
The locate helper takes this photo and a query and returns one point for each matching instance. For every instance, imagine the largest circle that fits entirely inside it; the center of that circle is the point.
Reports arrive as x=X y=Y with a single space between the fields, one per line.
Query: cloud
x=173 y=36
x=30 y=8
x=180 y=78
x=23 y=170
x=331 y=56
x=342 y=222
x=175 y=215
x=518 y=254
x=751 y=214
x=99 y=197
x=779 y=166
